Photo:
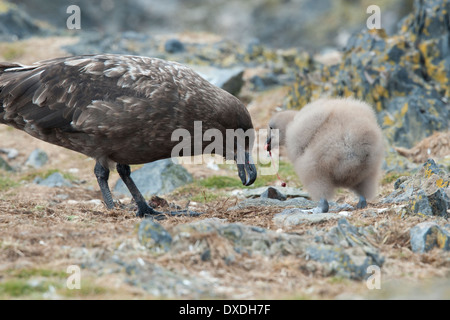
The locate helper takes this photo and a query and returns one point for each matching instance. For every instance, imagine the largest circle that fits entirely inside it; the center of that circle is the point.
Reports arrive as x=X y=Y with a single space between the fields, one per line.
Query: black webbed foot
x=323 y=206
x=362 y=203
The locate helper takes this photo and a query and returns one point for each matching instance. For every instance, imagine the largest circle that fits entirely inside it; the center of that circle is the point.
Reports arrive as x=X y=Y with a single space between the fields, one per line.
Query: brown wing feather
x=55 y=94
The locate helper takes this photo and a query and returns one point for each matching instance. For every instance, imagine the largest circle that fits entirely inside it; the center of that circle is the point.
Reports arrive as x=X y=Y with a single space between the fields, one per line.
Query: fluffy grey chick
x=332 y=143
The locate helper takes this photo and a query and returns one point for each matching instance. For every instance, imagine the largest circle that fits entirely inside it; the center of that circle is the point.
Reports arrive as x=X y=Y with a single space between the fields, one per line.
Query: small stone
x=206 y=255
x=289 y=192
x=230 y=79
x=273 y=193
x=293 y=217
x=428 y=235
x=153 y=236
x=174 y=46
x=10 y=152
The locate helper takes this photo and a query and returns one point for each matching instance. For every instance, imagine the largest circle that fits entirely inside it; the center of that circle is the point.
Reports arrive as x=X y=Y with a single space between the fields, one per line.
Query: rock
x=347 y=235
x=394 y=162
x=15 y=24
x=233 y=238
x=404 y=76
x=347 y=251
x=273 y=193
x=293 y=217
x=437 y=146
x=265 y=202
x=289 y=192
x=174 y=46
x=344 y=249
x=228 y=79
x=159 y=177
x=54 y=180
x=37 y=159
x=426 y=193
x=261 y=83
x=429 y=205
x=298 y=202
x=408 y=120
x=10 y=152
x=153 y=236
x=350 y=263
x=4 y=165
x=428 y=235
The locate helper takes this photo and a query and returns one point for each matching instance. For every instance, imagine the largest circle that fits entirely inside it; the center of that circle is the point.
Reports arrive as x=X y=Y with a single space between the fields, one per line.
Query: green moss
x=337 y=280
x=34 y=272
x=6 y=183
x=20 y=288
x=206 y=196
x=87 y=288
x=392 y=176
x=220 y=182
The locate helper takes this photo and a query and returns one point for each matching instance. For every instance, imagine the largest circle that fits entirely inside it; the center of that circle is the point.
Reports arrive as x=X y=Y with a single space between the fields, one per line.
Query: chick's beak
x=268 y=145
x=246 y=170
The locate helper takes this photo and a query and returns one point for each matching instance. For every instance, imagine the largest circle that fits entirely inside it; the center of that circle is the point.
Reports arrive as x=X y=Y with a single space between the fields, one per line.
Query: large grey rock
x=292 y=217
x=298 y=202
x=428 y=235
x=347 y=250
x=228 y=79
x=37 y=159
x=236 y=237
x=350 y=263
x=53 y=181
x=159 y=177
x=266 y=202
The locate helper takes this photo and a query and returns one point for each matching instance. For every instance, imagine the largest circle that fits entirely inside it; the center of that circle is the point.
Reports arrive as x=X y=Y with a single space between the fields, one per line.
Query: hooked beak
x=246 y=170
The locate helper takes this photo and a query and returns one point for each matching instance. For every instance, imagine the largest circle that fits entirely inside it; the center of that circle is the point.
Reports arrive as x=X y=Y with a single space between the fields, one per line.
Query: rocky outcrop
x=343 y=249
x=428 y=235
x=426 y=193
x=16 y=24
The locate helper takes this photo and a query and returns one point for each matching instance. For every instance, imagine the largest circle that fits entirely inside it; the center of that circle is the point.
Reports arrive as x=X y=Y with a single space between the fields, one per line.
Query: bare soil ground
x=44 y=230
